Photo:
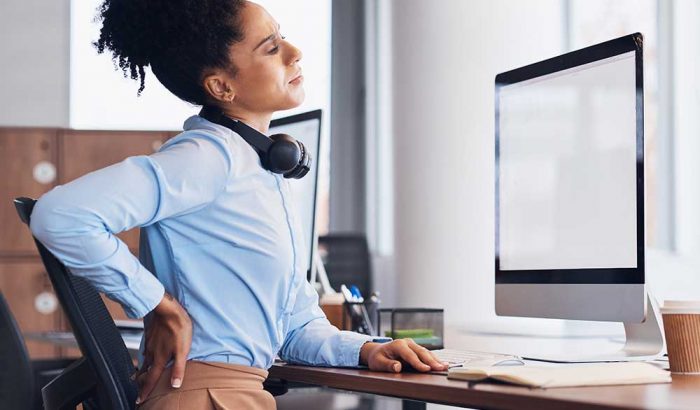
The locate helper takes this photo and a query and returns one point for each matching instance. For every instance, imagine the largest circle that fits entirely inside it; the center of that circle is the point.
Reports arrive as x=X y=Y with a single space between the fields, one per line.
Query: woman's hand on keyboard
x=392 y=356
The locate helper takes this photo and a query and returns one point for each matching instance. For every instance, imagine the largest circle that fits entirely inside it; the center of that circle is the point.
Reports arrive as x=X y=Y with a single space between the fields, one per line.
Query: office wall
x=687 y=124
x=673 y=273
x=34 y=62
x=446 y=54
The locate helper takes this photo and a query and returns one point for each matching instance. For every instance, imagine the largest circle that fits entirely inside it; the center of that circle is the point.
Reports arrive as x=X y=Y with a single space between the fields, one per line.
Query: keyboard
x=465 y=358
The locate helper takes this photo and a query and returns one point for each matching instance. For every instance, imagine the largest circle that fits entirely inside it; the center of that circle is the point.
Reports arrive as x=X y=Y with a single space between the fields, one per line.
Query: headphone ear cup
x=284 y=154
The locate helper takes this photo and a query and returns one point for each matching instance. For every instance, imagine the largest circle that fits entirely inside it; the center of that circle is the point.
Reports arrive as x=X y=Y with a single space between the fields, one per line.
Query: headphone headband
x=252 y=136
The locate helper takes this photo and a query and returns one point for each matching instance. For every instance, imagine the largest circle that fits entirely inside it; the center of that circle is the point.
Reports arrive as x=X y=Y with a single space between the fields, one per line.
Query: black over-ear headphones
x=279 y=153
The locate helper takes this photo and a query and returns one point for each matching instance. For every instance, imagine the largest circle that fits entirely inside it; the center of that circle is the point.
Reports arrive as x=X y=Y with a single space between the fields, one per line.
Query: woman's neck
x=259 y=121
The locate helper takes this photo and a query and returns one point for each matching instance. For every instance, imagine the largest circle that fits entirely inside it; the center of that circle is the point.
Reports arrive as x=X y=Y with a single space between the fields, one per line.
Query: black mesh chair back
x=103 y=376
x=347 y=261
x=16 y=377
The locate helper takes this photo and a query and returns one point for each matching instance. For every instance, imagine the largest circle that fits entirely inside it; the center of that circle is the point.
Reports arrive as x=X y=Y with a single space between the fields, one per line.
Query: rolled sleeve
x=141 y=295
x=312 y=339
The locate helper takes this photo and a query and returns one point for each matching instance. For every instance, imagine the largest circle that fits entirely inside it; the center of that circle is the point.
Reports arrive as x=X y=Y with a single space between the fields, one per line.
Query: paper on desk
x=598 y=374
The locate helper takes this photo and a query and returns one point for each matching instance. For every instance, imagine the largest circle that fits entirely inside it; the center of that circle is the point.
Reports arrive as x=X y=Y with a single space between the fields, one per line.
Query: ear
x=219 y=88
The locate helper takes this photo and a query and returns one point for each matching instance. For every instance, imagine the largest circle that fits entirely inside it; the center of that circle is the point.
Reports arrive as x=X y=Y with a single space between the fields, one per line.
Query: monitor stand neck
x=643 y=341
x=646 y=338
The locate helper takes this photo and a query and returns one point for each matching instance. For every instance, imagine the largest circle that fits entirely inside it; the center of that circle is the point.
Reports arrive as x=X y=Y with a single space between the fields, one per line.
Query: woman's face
x=268 y=76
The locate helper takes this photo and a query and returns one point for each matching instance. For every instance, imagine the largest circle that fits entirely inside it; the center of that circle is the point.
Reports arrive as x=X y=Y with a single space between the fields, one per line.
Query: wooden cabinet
x=32 y=161
x=27 y=164
x=31 y=298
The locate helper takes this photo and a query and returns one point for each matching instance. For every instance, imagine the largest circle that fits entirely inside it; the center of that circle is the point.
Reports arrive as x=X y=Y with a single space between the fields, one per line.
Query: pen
x=346 y=293
x=356 y=293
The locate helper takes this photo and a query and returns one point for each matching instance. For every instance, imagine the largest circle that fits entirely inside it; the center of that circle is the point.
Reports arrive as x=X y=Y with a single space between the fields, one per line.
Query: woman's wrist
x=168 y=306
x=365 y=352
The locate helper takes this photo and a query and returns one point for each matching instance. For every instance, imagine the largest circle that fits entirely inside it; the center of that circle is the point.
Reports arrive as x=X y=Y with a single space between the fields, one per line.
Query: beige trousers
x=212 y=386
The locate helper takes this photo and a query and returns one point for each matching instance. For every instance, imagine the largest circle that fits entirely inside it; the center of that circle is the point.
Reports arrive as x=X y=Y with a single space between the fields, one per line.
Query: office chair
x=21 y=379
x=347 y=260
x=103 y=375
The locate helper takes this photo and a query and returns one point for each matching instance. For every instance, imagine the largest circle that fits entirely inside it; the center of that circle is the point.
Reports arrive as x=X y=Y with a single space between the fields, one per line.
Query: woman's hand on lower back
x=168 y=333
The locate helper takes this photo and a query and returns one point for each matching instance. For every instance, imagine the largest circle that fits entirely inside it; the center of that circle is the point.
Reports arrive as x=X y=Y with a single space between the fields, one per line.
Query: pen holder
x=362 y=316
x=424 y=326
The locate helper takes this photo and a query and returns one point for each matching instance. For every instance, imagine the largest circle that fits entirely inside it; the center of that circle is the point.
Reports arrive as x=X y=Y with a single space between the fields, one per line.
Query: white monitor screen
x=304 y=189
x=567 y=190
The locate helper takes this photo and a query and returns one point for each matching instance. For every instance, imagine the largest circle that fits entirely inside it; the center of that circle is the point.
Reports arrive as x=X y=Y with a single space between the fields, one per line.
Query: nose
x=294 y=53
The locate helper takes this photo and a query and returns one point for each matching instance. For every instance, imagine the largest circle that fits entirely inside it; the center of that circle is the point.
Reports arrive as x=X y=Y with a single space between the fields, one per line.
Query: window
x=671 y=126
x=590 y=22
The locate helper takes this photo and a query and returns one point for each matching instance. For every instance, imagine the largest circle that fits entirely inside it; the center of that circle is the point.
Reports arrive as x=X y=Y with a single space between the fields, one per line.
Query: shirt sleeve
x=312 y=340
x=78 y=221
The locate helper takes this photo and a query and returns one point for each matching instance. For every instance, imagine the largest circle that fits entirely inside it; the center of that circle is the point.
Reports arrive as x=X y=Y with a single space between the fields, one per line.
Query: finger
x=141 y=380
x=387 y=364
x=410 y=357
x=150 y=379
x=177 y=374
x=427 y=357
x=147 y=361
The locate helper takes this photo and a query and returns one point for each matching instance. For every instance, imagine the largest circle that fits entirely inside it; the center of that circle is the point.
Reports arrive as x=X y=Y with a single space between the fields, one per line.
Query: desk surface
x=683 y=393
x=509 y=336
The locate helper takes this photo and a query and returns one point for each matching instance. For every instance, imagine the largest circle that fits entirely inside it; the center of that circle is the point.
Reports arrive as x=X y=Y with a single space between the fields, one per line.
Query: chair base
x=70 y=388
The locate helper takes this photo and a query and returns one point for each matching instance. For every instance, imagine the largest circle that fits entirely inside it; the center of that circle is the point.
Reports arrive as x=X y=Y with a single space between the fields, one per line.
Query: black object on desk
x=358 y=309
x=424 y=325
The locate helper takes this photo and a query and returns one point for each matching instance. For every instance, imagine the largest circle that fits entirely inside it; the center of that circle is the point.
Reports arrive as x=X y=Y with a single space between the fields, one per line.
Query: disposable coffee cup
x=682 y=330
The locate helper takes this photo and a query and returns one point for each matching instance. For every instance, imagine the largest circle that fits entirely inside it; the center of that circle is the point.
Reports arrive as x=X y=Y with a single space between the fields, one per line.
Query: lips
x=296 y=77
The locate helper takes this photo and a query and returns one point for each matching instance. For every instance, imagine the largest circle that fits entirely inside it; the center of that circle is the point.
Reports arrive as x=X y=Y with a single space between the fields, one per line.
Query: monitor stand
x=643 y=342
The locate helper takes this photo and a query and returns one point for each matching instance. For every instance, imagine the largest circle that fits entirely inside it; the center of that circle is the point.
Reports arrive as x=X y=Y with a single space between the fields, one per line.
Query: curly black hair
x=179 y=39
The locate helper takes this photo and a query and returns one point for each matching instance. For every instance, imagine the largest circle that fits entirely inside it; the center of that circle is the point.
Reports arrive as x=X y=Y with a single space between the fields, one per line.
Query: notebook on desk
x=594 y=374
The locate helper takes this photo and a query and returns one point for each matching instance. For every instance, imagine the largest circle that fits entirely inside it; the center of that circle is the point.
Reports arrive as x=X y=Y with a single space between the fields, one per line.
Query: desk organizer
x=362 y=316
x=424 y=326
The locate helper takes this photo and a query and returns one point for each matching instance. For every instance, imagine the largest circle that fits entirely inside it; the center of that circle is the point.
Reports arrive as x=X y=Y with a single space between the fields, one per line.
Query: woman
x=220 y=279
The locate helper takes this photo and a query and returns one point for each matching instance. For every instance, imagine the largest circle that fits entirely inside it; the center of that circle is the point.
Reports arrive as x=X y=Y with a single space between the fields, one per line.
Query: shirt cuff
x=350 y=347
x=143 y=294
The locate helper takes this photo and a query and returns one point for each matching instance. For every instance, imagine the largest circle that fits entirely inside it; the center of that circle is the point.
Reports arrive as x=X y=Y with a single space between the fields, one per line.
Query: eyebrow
x=266 y=39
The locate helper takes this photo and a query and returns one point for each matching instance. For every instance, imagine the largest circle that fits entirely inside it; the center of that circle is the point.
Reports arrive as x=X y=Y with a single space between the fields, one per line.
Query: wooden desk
x=683 y=393
x=508 y=336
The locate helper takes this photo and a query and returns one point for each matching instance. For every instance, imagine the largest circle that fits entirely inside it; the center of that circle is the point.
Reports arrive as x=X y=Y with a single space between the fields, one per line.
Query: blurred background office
x=407 y=89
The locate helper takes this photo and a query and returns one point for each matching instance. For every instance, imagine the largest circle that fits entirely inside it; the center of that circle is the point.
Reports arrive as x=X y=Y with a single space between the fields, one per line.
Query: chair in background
x=21 y=379
x=347 y=261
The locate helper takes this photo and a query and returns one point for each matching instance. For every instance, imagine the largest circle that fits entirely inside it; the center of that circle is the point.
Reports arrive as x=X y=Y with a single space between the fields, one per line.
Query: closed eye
x=276 y=48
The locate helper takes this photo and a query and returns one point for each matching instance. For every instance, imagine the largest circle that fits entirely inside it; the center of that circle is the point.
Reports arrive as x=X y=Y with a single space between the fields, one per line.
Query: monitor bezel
x=633 y=42
x=306 y=116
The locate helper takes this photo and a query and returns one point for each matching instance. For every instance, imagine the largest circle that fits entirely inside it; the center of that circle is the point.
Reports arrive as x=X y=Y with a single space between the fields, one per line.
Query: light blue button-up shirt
x=219 y=233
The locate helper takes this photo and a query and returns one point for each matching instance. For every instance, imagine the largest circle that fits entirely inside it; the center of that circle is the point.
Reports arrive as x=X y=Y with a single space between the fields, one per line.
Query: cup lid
x=681 y=306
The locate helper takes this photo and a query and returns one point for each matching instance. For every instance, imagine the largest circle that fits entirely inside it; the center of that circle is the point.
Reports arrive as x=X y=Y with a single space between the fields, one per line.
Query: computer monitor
x=570 y=186
x=306 y=128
